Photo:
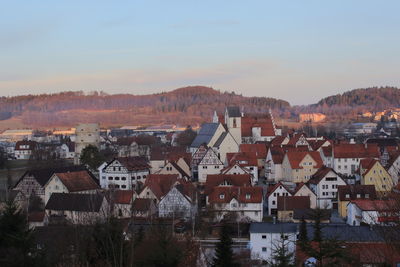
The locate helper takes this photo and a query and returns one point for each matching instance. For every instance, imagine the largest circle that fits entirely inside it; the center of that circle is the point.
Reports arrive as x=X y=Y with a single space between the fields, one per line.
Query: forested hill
x=188 y=105
x=354 y=102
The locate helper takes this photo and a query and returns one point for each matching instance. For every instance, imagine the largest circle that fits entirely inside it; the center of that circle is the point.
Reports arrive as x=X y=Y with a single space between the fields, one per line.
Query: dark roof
x=293 y=202
x=132 y=163
x=220 y=139
x=31 y=145
x=383 y=141
x=321 y=174
x=42 y=176
x=308 y=214
x=75 y=202
x=267 y=227
x=354 y=190
x=142 y=204
x=234 y=112
x=205 y=134
x=345 y=232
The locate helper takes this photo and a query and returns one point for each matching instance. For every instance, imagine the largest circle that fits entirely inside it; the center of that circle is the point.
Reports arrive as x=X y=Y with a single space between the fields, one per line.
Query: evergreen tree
x=223 y=250
x=318 y=213
x=91 y=157
x=17 y=247
x=303 y=235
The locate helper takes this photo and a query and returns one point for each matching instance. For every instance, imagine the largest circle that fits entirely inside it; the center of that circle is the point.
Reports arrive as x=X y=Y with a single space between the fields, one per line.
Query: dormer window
x=248 y=196
x=358 y=195
x=221 y=196
x=347 y=196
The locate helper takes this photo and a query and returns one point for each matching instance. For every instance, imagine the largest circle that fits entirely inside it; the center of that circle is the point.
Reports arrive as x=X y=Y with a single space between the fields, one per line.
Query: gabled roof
x=242 y=158
x=293 y=202
x=160 y=184
x=367 y=164
x=75 y=202
x=132 y=163
x=321 y=174
x=142 y=204
x=243 y=194
x=214 y=180
x=295 y=138
x=220 y=139
x=356 y=151
x=32 y=145
x=276 y=186
x=77 y=181
x=375 y=205
x=295 y=158
x=263 y=122
x=179 y=169
x=278 y=140
x=327 y=150
x=233 y=112
x=207 y=131
x=42 y=176
x=354 y=190
x=36 y=216
x=122 y=196
x=171 y=153
x=299 y=186
x=259 y=149
x=277 y=154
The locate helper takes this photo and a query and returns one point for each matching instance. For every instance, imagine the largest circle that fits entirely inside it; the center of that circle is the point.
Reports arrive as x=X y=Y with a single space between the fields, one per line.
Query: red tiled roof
x=276 y=186
x=259 y=149
x=214 y=180
x=295 y=138
x=356 y=151
x=295 y=158
x=265 y=122
x=320 y=174
x=367 y=164
x=123 y=196
x=327 y=150
x=277 y=154
x=77 y=181
x=242 y=158
x=160 y=184
x=171 y=153
x=293 y=202
x=277 y=141
x=375 y=205
x=142 y=204
x=254 y=194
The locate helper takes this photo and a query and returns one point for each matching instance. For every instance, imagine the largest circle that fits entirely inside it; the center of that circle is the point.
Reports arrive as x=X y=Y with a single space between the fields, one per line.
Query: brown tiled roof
x=254 y=194
x=77 y=181
x=259 y=149
x=242 y=158
x=32 y=145
x=295 y=157
x=134 y=163
x=327 y=150
x=142 y=204
x=293 y=202
x=354 y=190
x=375 y=205
x=123 y=196
x=36 y=216
x=160 y=184
x=265 y=122
x=277 y=154
x=356 y=151
x=295 y=138
x=75 y=202
x=277 y=141
x=276 y=186
x=214 y=180
x=367 y=164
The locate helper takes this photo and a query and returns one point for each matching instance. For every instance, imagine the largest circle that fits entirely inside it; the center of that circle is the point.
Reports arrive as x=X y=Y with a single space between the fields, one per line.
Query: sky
x=299 y=51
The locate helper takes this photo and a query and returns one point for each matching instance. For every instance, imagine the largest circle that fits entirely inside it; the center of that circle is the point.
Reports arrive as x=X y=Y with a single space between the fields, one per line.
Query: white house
x=393 y=167
x=303 y=190
x=274 y=192
x=209 y=164
x=24 y=149
x=246 y=160
x=244 y=203
x=265 y=238
x=179 y=202
x=124 y=173
x=121 y=202
x=225 y=144
x=67 y=151
x=367 y=211
x=273 y=164
x=324 y=183
x=80 y=182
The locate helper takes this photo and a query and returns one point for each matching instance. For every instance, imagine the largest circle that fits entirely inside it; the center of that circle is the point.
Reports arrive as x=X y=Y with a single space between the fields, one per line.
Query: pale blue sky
x=299 y=51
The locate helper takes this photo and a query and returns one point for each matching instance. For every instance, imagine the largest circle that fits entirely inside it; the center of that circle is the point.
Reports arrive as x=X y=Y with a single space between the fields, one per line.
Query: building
x=81 y=209
x=144 y=208
x=86 y=134
x=124 y=173
x=371 y=212
x=246 y=160
x=157 y=186
x=273 y=164
x=288 y=204
x=121 y=202
x=209 y=164
x=266 y=237
x=299 y=166
x=347 y=193
x=279 y=189
x=324 y=184
x=372 y=172
x=24 y=149
x=67 y=151
x=208 y=135
x=303 y=189
x=80 y=182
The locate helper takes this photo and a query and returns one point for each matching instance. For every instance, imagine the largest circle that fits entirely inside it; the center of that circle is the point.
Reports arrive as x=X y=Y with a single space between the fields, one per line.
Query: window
x=144 y=176
x=110 y=178
x=123 y=186
x=347 y=195
x=264 y=237
x=264 y=249
x=216 y=166
x=384 y=186
x=139 y=177
x=273 y=202
x=117 y=178
x=222 y=196
x=204 y=167
x=119 y=212
x=103 y=177
x=117 y=186
x=366 y=195
x=247 y=196
x=123 y=178
x=256 y=213
x=358 y=195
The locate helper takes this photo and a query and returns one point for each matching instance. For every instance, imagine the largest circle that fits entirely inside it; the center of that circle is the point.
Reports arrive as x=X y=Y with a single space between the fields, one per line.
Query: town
x=240 y=190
